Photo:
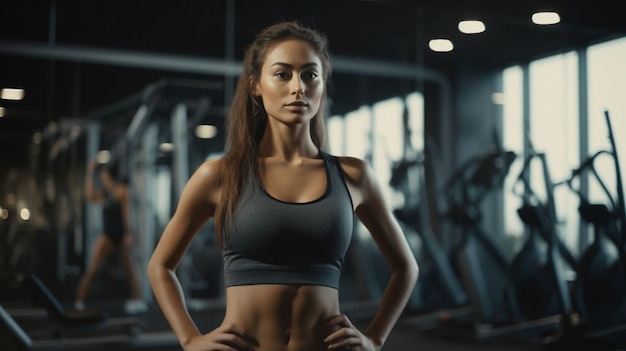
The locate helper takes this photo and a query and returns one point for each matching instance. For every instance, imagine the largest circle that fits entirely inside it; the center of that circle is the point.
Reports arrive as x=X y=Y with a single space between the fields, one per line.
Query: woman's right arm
x=196 y=205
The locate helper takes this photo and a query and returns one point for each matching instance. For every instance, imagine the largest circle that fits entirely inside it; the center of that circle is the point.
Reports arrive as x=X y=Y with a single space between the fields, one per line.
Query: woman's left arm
x=377 y=217
x=373 y=211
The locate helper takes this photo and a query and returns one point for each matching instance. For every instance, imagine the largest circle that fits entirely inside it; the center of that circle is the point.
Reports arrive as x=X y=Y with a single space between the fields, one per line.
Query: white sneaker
x=135 y=306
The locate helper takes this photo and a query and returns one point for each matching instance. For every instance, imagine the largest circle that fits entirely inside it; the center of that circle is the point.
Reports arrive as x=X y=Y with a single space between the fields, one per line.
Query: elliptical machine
x=538 y=271
x=599 y=291
x=503 y=286
x=438 y=293
x=479 y=258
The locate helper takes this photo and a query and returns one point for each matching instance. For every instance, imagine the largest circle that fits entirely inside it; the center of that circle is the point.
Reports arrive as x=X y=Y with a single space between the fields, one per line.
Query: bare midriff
x=283 y=317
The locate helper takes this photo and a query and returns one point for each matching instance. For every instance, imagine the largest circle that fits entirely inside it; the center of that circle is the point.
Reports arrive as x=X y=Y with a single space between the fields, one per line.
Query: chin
x=294 y=119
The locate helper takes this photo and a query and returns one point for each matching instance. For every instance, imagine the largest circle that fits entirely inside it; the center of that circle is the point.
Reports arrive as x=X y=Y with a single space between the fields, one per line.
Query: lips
x=298 y=104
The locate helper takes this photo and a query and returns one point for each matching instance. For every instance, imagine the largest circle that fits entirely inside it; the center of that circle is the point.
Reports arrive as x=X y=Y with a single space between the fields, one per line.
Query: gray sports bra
x=276 y=242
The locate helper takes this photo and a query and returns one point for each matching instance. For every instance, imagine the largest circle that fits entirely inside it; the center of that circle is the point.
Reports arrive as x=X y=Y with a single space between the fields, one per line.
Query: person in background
x=113 y=196
x=283 y=210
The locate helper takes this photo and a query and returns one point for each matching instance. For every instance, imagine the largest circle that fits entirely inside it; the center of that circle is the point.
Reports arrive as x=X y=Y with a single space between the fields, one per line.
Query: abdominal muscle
x=283 y=317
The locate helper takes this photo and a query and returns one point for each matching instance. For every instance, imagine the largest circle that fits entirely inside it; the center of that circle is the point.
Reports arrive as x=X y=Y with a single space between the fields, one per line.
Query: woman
x=113 y=197
x=283 y=211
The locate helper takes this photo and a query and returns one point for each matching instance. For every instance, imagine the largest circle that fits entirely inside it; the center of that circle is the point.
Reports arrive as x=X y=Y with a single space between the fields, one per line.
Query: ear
x=254 y=87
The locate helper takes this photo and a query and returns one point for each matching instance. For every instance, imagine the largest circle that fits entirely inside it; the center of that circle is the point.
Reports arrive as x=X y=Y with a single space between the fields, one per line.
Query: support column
x=146 y=228
x=180 y=174
x=93 y=212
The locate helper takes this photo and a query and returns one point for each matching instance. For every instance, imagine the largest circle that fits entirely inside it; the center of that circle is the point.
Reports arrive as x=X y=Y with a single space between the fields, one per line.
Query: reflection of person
x=283 y=210
x=116 y=236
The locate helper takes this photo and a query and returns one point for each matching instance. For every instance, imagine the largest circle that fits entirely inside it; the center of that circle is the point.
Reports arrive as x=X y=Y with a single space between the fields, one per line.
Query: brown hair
x=247 y=119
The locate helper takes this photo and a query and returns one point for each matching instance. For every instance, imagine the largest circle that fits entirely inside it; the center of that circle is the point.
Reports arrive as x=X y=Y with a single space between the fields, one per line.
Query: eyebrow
x=306 y=65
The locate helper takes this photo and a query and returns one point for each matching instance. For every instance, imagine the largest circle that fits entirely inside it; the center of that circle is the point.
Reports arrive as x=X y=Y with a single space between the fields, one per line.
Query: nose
x=297 y=85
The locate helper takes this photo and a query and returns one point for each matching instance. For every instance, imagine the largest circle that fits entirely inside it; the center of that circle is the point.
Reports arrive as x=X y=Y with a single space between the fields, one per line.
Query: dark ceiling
x=44 y=47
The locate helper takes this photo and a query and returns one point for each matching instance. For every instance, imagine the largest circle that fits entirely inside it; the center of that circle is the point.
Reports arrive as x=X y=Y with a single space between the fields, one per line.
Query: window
x=513 y=140
x=607 y=83
x=376 y=134
x=554 y=123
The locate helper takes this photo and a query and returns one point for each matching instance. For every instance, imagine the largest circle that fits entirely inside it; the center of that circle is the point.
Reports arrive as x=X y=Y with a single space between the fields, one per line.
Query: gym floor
x=412 y=332
x=403 y=338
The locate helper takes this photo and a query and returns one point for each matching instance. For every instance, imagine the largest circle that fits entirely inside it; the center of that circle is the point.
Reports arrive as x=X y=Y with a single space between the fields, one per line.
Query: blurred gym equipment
x=599 y=291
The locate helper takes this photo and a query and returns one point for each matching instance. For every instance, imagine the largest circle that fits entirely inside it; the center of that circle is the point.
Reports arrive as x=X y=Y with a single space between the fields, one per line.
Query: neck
x=289 y=143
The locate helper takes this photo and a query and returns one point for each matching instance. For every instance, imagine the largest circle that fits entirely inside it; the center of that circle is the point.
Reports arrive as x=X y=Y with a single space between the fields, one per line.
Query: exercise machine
x=487 y=267
x=438 y=293
x=538 y=272
x=599 y=291
x=55 y=328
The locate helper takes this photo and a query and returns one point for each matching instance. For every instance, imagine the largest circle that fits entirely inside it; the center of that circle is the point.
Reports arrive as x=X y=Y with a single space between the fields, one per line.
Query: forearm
x=169 y=296
x=392 y=304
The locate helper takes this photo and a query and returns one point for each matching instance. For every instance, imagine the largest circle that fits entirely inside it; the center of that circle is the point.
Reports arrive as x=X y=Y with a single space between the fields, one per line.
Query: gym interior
x=496 y=128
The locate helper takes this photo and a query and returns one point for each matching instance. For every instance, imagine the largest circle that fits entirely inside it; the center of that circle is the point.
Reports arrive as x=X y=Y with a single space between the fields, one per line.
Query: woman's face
x=291 y=84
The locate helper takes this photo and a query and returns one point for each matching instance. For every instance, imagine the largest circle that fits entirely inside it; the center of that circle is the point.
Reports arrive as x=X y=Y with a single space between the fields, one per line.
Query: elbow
x=415 y=271
x=151 y=270
x=406 y=272
x=411 y=270
x=155 y=270
x=406 y=269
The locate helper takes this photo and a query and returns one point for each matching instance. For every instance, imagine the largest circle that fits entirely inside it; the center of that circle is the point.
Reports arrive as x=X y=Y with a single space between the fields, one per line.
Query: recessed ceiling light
x=471 y=27
x=12 y=94
x=206 y=131
x=103 y=157
x=166 y=147
x=440 y=45
x=497 y=98
x=1 y=111
x=546 y=18
x=24 y=214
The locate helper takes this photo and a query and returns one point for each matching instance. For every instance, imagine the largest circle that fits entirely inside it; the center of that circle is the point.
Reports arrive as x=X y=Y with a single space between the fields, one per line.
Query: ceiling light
x=440 y=45
x=12 y=94
x=206 y=131
x=37 y=138
x=545 y=18
x=471 y=27
x=24 y=214
x=497 y=98
x=1 y=111
x=166 y=147
x=103 y=157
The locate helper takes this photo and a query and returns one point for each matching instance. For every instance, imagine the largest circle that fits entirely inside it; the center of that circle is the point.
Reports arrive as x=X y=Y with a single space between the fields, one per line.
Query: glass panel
x=554 y=120
x=380 y=143
x=513 y=140
x=336 y=135
x=415 y=105
x=358 y=123
x=388 y=141
x=607 y=81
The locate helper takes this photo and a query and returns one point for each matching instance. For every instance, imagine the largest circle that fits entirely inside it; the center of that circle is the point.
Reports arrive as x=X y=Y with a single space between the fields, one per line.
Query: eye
x=281 y=75
x=310 y=75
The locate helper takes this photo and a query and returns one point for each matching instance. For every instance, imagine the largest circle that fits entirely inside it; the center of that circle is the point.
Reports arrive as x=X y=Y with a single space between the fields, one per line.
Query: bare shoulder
x=207 y=174
x=210 y=167
x=359 y=178
x=355 y=169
